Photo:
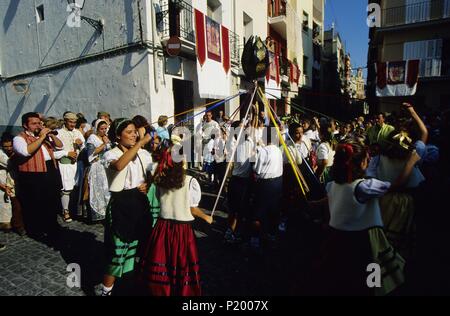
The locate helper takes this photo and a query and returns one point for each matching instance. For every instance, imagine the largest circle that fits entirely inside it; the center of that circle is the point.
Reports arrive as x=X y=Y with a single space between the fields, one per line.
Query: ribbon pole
x=234 y=152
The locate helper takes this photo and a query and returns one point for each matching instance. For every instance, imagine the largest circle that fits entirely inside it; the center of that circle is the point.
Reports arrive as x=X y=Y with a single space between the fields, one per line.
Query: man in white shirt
x=238 y=194
x=38 y=178
x=312 y=131
x=268 y=170
x=73 y=142
x=209 y=127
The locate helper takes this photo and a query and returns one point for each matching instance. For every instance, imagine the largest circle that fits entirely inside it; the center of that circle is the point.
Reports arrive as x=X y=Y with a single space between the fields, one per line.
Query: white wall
x=28 y=45
x=117 y=84
x=107 y=85
x=307 y=47
x=123 y=85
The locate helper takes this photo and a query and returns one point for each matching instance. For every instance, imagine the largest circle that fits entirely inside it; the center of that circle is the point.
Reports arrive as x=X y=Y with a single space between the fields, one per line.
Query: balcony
x=277 y=19
x=317 y=34
x=235 y=49
x=284 y=70
x=426 y=11
x=183 y=26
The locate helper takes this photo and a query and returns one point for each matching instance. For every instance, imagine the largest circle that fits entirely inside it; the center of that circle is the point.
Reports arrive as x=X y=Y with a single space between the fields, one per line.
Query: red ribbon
x=348 y=161
x=165 y=161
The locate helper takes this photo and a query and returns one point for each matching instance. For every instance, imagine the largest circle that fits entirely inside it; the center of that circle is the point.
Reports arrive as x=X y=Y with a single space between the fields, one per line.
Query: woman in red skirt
x=171 y=265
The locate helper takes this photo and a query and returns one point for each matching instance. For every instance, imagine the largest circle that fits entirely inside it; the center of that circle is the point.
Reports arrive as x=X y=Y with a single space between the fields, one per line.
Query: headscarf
x=97 y=123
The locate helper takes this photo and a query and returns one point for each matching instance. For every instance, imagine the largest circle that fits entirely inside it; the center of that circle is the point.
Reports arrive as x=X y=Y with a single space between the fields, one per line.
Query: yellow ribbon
x=286 y=150
x=401 y=137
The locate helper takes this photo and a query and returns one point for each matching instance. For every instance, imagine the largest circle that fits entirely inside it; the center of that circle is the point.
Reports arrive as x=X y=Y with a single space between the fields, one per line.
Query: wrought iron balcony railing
x=235 y=48
x=414 y=13
x=184 y=26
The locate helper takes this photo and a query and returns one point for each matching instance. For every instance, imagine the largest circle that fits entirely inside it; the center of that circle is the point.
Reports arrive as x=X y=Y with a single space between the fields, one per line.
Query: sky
x=349 y=17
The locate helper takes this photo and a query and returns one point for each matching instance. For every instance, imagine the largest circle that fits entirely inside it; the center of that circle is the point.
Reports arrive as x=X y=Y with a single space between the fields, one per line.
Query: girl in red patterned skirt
x=170 y=265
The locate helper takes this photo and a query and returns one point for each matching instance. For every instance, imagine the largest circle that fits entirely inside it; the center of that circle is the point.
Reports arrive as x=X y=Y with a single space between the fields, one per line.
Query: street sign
x=173 y=46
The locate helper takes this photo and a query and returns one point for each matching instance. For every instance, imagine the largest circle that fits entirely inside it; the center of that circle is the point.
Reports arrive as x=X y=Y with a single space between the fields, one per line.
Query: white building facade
x=122 y=67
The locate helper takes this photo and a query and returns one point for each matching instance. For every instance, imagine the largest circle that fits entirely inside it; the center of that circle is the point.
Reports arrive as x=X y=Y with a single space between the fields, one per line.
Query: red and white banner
x=200 y=36
x=397 y=78
x=295 y=73
x=273 y=86
x=213 y=56
x=226 y=49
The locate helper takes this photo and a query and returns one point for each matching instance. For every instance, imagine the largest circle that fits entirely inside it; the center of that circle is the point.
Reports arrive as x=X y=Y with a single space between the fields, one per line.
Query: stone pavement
x=28 y=267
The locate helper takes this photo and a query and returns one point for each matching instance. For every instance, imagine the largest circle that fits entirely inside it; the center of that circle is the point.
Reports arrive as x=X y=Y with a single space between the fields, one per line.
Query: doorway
x=183 y=95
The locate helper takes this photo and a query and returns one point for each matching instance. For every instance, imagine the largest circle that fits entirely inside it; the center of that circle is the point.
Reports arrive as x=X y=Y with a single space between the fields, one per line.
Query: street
x=30 y=268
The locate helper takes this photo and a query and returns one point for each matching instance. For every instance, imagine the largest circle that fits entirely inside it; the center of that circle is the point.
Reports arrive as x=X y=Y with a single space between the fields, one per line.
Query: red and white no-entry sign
x=174 y=46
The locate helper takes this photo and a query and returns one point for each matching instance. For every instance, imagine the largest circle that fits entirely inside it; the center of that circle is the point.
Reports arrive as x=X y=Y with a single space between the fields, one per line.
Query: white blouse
x=96 y=142
x=135 y=169
x=324 y=152
x=195 y=192
x=269 y=162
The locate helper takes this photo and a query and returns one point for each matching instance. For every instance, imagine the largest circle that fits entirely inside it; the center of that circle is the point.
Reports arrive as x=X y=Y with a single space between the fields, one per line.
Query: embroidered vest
x=36 y=162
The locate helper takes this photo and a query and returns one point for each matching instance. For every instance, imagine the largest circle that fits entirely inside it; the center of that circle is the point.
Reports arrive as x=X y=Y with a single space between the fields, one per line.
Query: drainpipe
x=156 y=41
x=234 y=16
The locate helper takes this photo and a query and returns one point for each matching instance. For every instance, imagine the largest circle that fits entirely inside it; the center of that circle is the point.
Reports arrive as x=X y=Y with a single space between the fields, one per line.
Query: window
x=430 y=54
x=305 y=21
x=214 y=10
x=40 y=13
x=248 y=27
x=417 y=11
x=447 y=9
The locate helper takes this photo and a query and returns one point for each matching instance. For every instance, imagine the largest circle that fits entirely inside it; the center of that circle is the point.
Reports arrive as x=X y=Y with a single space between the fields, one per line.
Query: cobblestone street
x=28 y=267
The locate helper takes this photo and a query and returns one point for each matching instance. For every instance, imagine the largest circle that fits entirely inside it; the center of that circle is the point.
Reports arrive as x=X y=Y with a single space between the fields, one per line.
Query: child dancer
x=171 y=264
x=356 y=237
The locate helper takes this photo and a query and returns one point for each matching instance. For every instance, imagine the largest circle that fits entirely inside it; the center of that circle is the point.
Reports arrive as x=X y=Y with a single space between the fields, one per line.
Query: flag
x=226 y=49
x=200 y=36
x=397 y=78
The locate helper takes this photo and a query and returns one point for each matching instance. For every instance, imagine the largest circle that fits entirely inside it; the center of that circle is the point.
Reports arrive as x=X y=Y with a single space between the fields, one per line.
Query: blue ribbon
x=211 y=108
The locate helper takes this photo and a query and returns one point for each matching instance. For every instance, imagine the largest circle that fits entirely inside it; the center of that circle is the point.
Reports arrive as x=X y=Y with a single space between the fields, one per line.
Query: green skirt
x=155 y=207
x=121 y=255
x=326 y=176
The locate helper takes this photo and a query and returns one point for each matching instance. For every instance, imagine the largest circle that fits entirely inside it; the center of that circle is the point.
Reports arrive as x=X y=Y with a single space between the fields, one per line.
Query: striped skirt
x=345 y=257
x=170 y=266
x=120 y=254
x=398 y=211
x=155 y=207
